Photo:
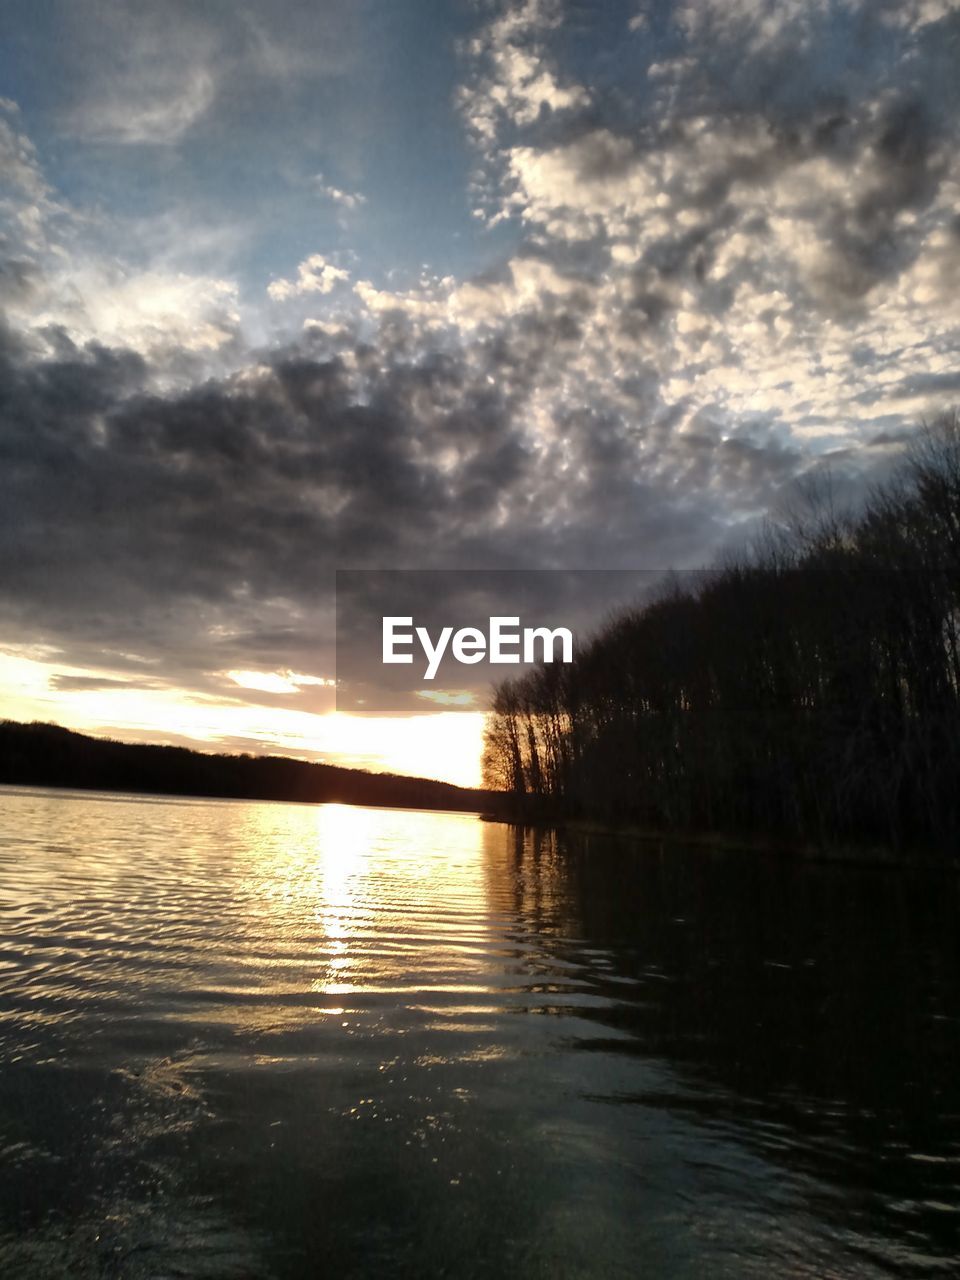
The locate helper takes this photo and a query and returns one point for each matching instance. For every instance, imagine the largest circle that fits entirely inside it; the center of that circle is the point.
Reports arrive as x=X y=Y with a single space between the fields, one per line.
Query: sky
x=359 y=284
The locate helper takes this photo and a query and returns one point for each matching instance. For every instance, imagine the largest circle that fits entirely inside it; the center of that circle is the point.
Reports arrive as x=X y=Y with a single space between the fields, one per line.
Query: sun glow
x=444 y=744
x=278 y=681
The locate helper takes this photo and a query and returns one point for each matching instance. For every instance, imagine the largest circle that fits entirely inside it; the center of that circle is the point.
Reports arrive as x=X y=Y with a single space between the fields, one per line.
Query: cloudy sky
x=330 y=284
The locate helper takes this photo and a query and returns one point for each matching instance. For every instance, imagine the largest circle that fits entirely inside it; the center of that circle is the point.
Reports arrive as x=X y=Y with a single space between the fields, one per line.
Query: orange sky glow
x=441 y=744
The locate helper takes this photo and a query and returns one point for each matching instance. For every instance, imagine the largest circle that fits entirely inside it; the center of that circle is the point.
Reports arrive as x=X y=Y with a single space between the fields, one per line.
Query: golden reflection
x=316 y=914
x=355 y=902
x=346 y=838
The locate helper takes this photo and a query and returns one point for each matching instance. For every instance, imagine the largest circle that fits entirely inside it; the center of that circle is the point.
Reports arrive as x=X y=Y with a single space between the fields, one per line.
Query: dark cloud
x=90 y=684
x=705 y=234
x=205 y=526
x=18 y=277
x=922 y=384
x=867 y=88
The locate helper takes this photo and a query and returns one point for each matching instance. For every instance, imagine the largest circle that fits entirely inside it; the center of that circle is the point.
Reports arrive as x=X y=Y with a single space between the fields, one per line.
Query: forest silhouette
x=805 y=691
x=51 y=756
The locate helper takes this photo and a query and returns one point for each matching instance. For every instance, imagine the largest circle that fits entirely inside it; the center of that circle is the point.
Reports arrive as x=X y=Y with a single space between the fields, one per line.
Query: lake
x=244 y=1039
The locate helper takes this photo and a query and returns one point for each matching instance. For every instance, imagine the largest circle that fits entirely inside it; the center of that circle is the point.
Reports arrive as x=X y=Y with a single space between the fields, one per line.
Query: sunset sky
x=328 y=284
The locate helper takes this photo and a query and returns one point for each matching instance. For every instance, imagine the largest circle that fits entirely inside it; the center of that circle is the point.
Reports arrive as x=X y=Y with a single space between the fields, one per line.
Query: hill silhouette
x=47 y=755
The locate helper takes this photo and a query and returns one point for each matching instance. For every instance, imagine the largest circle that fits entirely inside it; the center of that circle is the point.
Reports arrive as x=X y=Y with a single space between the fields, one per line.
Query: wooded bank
x=809 y=690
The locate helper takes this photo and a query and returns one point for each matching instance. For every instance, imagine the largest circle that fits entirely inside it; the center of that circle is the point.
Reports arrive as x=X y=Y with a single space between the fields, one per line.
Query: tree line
x=50 y=756
x=807 y=689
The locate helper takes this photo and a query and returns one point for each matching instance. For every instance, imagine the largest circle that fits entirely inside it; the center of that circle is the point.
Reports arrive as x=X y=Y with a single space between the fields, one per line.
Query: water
x=264 y=1040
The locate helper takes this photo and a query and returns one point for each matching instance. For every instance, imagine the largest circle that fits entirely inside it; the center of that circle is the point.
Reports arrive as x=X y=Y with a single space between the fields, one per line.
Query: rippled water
x=263 y=1040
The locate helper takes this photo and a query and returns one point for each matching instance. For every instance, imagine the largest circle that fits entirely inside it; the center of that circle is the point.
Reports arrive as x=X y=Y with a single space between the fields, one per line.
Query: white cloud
x=146 y=75
x=157 y=111
x=760 y=21
x=63 y=279
x=314 y=275
x=593 y=183
x=150 y=311
x=346 y=200
x=525 y=285
x=164 y=75
x=19 y=165
x=426 y=303
x=277 y=681
x=516 y=80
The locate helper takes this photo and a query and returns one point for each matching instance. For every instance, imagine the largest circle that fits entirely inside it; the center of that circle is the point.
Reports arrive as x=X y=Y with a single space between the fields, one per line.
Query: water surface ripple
x=264 y=1040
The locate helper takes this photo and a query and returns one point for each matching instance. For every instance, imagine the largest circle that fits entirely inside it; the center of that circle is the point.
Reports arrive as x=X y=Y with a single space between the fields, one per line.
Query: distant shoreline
x=111 y=793
x=49 y=756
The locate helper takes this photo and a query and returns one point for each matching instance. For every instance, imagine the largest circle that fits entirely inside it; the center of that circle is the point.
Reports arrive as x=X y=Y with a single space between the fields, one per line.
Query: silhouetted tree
x=807 y=689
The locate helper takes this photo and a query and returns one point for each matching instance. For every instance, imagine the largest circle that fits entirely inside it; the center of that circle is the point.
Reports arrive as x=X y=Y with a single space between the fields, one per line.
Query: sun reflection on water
x=346 y=898
x=346 y=839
